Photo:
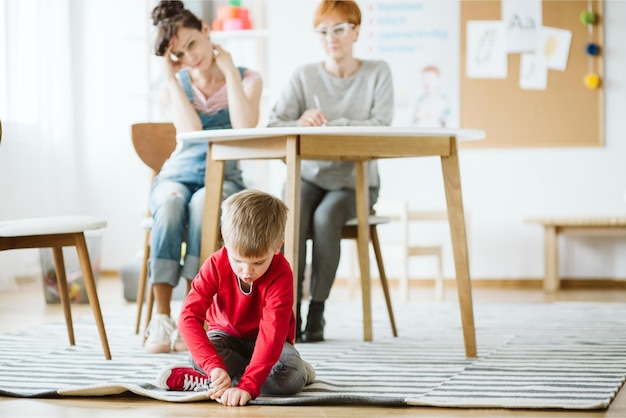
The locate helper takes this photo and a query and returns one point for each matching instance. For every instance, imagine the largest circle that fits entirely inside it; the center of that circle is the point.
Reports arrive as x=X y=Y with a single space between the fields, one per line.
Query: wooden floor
x=24 y=306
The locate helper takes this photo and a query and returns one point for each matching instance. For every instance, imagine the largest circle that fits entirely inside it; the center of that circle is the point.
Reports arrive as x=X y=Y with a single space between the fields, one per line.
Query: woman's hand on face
x=312 y=117
x=223 y=59
x=171 y=66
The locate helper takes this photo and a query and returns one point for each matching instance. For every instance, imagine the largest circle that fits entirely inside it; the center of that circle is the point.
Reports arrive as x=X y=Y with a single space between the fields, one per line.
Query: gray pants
x=287 y=377
x=323 y=214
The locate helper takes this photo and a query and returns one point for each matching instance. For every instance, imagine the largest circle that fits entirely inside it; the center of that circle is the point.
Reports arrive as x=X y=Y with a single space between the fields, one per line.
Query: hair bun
x=166 y=9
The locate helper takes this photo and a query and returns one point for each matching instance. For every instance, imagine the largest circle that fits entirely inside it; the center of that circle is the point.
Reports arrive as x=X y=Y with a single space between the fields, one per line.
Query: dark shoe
x=314 y=330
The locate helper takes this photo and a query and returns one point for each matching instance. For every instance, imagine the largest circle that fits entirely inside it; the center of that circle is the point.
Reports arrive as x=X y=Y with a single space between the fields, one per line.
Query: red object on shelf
x=232 y=18
x=232 y=24
x=227 y=12
x=243 y=13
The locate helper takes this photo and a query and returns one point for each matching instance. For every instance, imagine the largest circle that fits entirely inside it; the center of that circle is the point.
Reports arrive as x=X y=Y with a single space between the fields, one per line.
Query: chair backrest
x=154 y=143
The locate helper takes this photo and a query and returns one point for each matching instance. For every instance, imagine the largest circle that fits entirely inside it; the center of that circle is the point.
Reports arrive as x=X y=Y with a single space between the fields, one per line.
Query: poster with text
x=421 y=42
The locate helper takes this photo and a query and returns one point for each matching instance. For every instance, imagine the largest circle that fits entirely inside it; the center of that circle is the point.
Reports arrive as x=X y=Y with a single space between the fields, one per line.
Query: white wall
x=501 y=187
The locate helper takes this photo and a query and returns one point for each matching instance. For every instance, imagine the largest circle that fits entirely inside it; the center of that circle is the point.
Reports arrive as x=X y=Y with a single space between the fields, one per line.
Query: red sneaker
x=182 y=378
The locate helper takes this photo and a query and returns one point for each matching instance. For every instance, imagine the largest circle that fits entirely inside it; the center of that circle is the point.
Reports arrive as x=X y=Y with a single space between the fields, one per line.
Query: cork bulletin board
x=566 y=114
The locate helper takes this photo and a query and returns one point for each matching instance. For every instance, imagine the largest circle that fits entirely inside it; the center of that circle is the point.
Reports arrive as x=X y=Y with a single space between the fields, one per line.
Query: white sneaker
x=310 y=372
x=159 y=334
x=179 y=345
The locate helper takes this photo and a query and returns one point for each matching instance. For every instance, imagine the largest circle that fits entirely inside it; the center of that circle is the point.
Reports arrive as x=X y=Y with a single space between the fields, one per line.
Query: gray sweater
x=363 y=99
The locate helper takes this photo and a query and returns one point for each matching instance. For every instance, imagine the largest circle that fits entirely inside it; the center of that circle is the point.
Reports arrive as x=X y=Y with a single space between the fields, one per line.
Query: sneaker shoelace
x=196 y=383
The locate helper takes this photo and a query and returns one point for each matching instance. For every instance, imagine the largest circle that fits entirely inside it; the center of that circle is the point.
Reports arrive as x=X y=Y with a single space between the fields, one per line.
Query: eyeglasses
x=337 y=31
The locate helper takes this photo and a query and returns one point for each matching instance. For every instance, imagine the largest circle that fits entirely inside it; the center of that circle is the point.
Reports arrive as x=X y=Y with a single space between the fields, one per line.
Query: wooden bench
x=591 y=226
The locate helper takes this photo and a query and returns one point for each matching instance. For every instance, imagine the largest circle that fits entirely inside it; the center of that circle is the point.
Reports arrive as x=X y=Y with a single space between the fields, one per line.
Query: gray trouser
x=287 y=377
x=323 y=213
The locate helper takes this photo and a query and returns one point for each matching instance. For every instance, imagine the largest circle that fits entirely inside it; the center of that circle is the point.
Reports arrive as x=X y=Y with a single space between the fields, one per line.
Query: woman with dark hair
x=204 y=90
x=341 y=90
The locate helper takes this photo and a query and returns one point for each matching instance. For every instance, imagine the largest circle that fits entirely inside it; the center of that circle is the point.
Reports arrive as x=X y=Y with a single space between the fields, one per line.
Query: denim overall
x=177 y=200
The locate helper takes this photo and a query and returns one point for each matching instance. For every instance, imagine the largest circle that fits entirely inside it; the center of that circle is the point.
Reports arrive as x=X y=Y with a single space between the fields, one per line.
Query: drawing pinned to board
x=533 y=73
x=486 y=53
x=554 y=44
x=522 y=20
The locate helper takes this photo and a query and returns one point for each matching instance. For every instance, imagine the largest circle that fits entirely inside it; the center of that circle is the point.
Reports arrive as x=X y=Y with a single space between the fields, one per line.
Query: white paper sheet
x=522 y=20
x=486 y=55
x=554 y=45
x=533 y=74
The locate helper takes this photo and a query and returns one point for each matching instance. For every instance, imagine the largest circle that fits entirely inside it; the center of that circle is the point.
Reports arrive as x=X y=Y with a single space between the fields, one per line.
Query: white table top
x=377 y=131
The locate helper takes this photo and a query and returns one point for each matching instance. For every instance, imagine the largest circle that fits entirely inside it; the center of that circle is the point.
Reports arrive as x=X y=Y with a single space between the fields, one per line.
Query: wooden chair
x=350 y=231
x=57 y=232
x=398 y=211
x=153 y=143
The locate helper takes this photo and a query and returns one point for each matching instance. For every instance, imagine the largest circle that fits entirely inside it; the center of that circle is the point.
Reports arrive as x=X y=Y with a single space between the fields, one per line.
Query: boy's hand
x=235 y=397
x=220 y=381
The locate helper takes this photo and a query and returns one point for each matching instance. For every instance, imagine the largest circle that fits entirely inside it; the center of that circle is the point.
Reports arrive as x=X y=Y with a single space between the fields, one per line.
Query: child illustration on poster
x=432 y=109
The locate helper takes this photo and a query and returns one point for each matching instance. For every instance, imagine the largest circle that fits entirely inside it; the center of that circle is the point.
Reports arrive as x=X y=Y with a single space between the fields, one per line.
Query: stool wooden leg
x=59 y=265
x=383 y=277
x=149 y=306
x=141 y=282
x=92 y=293
x=551 y=283
x=439 y=284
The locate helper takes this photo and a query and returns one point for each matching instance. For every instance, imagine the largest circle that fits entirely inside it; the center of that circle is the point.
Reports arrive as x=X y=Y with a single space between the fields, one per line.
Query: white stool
x=57 y=232
x=407 y=248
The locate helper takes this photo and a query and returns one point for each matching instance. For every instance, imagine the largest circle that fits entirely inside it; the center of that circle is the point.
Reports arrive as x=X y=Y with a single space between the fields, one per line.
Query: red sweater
x=267 y=314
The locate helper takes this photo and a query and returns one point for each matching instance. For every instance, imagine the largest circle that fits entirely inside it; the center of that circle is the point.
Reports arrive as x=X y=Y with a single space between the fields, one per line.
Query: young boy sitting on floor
x=244 y=292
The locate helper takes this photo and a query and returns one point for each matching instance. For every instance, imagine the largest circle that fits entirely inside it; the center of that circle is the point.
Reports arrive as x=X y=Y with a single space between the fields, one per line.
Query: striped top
x=219 y=100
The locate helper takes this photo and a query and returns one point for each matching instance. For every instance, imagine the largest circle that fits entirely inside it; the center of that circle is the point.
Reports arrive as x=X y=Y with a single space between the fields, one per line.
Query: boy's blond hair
x=253 y=222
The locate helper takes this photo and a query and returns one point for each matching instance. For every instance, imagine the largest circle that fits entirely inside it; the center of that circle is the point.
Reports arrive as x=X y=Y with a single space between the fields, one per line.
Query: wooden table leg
x=292 y=199
x=456 y=219
x=363 y=240
x=213 y=184
x=551 y=250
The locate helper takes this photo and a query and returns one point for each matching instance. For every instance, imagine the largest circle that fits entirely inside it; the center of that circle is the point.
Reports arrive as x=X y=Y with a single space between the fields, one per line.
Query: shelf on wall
x=238 y=34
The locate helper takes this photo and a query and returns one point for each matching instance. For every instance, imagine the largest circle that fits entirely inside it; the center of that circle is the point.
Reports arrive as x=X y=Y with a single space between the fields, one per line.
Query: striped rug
x=566 y=355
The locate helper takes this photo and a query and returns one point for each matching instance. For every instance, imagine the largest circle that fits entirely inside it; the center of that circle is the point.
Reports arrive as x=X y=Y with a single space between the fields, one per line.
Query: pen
x=317 y=104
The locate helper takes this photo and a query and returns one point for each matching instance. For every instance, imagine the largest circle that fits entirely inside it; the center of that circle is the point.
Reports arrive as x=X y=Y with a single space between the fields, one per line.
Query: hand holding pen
x=319 y=107
x=313 y=117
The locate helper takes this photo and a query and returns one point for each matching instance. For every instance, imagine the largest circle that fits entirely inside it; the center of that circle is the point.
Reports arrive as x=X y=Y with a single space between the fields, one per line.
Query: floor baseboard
x=503 y=283
x=517 y=283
